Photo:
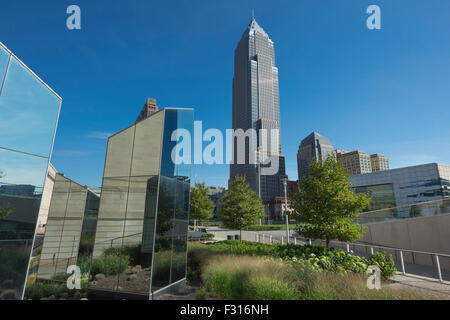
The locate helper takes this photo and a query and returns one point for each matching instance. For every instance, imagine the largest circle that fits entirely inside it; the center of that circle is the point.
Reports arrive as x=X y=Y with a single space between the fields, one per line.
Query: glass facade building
x=70 y=227
x=143 y=216
x=256 y=106
x=314 y=146
x=29 y=112
x=404 y=186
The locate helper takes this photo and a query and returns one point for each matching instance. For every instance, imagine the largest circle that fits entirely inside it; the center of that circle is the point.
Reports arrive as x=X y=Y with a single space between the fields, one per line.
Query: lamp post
x=285 y=209
x=257 y=151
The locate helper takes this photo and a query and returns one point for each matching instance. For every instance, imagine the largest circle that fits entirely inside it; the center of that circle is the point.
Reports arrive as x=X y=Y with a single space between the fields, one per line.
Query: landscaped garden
x=255 y=271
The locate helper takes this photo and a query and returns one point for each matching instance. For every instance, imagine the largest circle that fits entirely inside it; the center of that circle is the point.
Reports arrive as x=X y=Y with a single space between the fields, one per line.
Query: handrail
x=371 y=246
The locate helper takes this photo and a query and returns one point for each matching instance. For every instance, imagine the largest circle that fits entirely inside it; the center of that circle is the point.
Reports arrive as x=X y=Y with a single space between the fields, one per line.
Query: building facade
x=143 y=214
x=256 y=107
x=355 y=162
x=215 y=194
x=314 y=146
x=29 y=111
x=149 y=108
x=404 y=186
x=70 y=227
x=379 y=162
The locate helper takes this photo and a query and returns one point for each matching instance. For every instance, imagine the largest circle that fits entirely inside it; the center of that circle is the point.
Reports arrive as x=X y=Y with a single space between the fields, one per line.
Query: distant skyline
x=381 y=91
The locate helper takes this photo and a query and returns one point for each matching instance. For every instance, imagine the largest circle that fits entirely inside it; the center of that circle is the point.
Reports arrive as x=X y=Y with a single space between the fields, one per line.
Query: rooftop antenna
x=253 y=14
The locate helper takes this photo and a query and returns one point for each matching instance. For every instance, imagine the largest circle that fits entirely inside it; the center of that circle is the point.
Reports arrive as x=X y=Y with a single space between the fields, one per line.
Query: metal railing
x=269 y=239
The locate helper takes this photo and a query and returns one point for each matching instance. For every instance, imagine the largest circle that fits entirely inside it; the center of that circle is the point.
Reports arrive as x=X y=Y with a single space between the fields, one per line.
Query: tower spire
x=253 y=13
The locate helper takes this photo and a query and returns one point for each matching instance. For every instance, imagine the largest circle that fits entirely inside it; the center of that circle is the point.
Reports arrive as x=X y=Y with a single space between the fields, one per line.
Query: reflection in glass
x=142 y=223
x=28 y=114
x=25 y=99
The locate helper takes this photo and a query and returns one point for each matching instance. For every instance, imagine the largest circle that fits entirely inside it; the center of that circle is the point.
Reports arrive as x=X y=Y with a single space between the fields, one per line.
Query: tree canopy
x=201 y=206
x=325 y=206
x=240 y=207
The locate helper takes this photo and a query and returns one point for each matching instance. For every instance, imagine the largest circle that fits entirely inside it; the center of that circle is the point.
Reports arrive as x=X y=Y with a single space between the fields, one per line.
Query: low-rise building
x=404 y=186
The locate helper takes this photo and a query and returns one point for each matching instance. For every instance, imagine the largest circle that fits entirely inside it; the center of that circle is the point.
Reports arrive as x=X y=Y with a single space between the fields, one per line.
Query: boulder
x=131 y=277
x=99 y=277
x=52 y=297
x=8 y=295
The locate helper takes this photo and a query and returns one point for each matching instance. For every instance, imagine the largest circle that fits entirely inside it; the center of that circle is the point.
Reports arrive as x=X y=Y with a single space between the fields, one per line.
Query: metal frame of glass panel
x=143 y=215
x=25 y=152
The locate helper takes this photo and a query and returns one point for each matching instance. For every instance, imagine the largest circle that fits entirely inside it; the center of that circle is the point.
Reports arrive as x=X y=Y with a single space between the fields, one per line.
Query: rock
x=131 y=277
x=138 y=267
x=99 y=277
x=8 y=295
x=83 y=299
x=8 y=284
x=52 y=297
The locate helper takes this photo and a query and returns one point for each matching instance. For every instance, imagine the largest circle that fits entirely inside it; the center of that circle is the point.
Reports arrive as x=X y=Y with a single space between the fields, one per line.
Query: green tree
x=5 y=211
x=201 y=206
x=325 y=206
x=240 y=207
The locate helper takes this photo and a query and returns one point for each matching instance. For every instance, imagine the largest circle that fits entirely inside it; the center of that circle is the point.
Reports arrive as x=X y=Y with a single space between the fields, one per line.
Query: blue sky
x=385 y=91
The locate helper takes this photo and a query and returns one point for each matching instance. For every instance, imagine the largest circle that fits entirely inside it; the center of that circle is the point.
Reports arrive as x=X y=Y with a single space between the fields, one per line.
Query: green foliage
x=240 y=207
x=320 y=257
x=262 y=278
x=208 y=235
x=325 y=205
x=200 y=206
x=133 y=253
x=384 y=262
x=200 y=294
x=110 y=264
x=43 y=290
x=4 y=211
x=84 y=262
x=247 y=278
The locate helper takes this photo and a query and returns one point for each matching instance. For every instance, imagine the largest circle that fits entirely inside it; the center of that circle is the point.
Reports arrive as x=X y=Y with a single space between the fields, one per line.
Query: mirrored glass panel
x=4 y=56
x=26 y=100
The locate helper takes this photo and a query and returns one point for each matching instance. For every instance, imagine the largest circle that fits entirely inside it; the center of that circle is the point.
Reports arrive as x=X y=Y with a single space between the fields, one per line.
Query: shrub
x=254 y=278
x=84 y=262
x=43 y=290
x=319 y=256
x=200 y=294
x=384 y=262
x=110 y=264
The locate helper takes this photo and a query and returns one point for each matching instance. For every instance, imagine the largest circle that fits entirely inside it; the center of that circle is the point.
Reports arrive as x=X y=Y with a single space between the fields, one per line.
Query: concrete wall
x=46 y=197
x=431 y=234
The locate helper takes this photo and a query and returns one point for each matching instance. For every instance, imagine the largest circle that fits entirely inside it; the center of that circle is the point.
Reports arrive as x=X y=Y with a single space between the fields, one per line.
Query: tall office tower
x=256 y=106
x=355 y=162
x=379 y=162
x=314 y=146
x=148 y=109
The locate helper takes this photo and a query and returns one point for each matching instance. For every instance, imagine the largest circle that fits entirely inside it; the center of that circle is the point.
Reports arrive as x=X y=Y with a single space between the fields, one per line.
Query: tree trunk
x=328 y=242
x=240 y=235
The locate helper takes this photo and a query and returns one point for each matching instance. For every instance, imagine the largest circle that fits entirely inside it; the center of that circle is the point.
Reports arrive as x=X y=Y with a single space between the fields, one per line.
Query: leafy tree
x=5 y=211
x=325 y=206
x=201 y=206
x=240 y=207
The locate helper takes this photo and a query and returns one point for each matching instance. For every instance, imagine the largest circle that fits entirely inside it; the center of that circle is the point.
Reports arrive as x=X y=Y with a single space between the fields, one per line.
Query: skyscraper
x=148 y=109
x=256 y=106
x=314 y=146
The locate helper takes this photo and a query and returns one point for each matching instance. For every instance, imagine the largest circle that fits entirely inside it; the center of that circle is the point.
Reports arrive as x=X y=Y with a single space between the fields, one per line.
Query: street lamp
x=284 y=180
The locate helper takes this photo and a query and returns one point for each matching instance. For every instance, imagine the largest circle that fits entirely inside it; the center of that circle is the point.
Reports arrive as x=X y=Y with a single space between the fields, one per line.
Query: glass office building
x=70 y=228
x=402 y=187
x=143 y=216
x=29 y=111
